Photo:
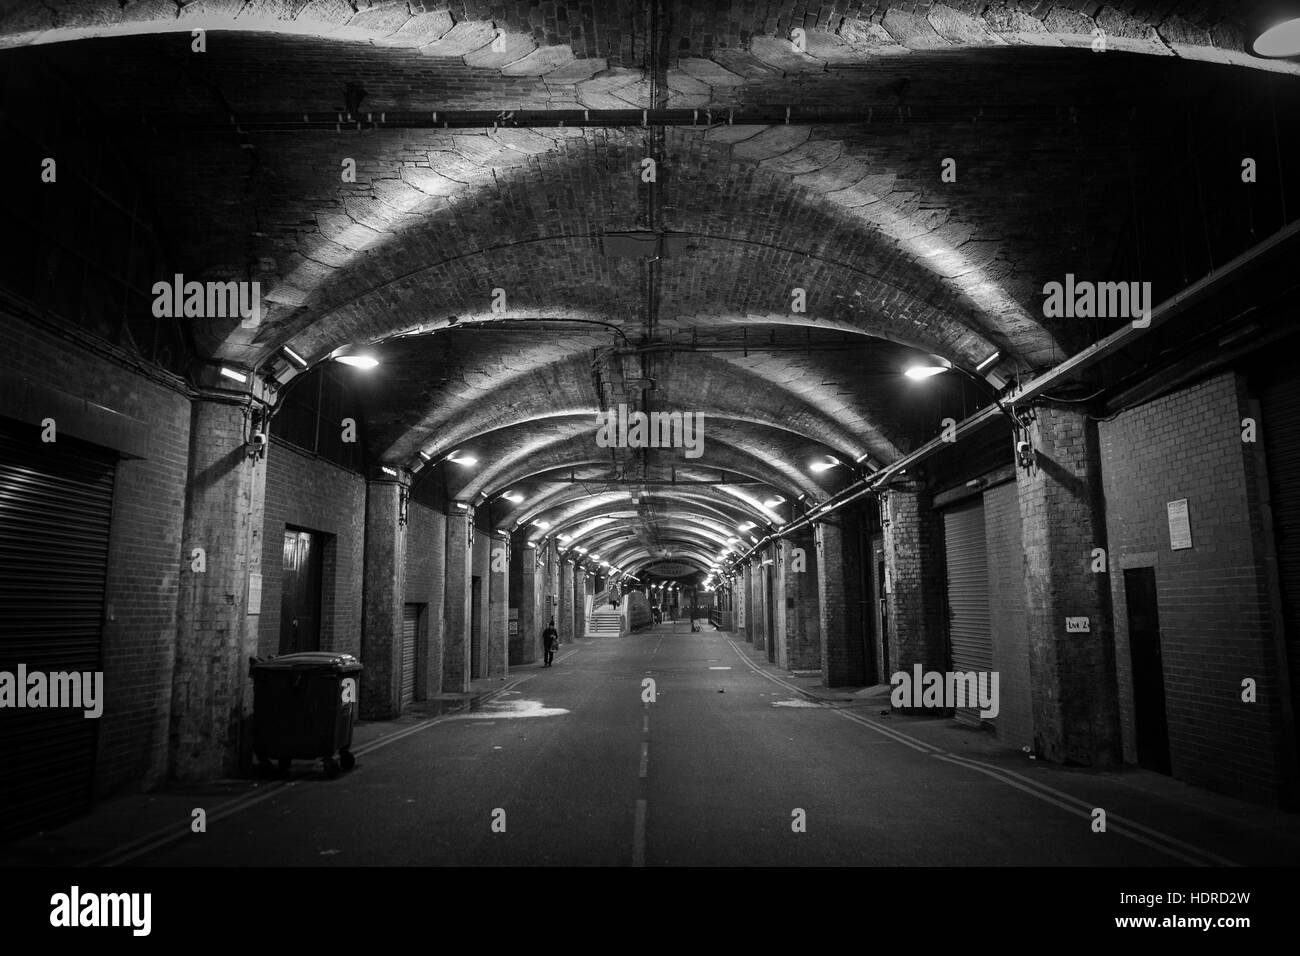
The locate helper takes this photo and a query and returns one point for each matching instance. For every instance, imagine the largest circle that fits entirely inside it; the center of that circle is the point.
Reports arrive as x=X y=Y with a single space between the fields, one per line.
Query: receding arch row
x=752 y=451
x=526 y=394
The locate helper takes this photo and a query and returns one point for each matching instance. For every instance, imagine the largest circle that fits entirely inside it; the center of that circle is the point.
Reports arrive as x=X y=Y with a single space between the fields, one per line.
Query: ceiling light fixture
x=293 y=356
x=362 y=361
x=927 y=369
x=819 y=466
x=463 y=460
x=1280 y=40
x=239 y=377
x=513 y=497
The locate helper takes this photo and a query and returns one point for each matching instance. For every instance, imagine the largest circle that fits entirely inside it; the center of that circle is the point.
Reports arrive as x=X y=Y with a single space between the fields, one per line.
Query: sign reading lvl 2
x=1077 y=625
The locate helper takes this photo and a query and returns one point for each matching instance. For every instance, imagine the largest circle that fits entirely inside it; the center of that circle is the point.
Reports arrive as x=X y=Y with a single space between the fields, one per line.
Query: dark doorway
x=300 y=592
x=475 y=622
x=1148 y=671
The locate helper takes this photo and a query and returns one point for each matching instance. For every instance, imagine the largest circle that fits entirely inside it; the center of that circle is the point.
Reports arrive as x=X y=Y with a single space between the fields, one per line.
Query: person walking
x=550 y=638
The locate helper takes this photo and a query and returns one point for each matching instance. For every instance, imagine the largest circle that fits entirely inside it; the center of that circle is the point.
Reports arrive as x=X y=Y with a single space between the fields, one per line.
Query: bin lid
x=310 y=661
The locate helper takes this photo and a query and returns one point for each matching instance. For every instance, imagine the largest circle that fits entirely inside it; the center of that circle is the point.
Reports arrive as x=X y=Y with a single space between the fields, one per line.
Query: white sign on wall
x=1077 y=625
x=1180 y=525
x=254 y=592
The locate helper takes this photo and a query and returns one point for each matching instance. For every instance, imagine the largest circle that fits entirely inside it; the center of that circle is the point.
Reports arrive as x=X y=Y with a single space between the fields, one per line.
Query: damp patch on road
x=510 y=710
x=794 y=703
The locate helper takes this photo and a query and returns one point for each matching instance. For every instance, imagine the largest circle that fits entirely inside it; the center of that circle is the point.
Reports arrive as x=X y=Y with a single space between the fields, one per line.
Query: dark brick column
x=797 y=603
x=761 y=623
x=456 y=600
x=564 y=622
x=915 y=577
x=498 y=575
x=740 y=591
x=211 y=697
x=579 y=602
x=839 y=583
x=381 y=609
x=1075 y=703
x=529 y=599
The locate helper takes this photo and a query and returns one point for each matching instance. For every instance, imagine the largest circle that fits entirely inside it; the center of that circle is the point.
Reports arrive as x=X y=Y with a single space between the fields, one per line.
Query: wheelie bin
x=304 y=706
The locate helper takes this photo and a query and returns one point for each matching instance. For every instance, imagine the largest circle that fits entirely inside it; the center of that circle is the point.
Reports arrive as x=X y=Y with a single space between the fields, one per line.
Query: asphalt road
x=571 y=767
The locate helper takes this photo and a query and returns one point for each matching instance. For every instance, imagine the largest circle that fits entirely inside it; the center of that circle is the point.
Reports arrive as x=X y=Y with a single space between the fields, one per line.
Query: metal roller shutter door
x=56 y=503
x=969 y=632
x=410 y=626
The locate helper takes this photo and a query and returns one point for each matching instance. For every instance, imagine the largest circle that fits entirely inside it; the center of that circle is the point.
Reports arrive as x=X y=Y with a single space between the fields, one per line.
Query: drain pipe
x=1025 y=394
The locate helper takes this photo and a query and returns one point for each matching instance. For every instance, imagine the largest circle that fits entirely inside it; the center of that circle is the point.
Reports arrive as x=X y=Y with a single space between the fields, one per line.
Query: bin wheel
x=331 y=767
x=347 y=760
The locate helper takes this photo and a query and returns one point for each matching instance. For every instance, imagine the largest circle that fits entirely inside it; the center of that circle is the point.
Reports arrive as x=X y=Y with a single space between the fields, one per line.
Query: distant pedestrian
x=550 y=638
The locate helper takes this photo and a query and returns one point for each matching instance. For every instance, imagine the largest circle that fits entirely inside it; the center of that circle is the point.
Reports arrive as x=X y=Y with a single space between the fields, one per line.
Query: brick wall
x=310 y=493
x=426 y=541
x=839 y=583
x=1214 y=611
x=144 y=548
x=797 y=606
x=914 y=551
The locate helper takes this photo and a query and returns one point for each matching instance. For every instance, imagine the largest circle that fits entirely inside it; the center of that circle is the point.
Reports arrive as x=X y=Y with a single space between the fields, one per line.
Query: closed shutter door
x=410 y=620
x=1280 y=432
x=56 y=503
x=969 y=635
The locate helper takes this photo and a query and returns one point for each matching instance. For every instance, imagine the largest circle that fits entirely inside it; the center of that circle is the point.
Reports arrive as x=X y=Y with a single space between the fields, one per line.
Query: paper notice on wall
x=255 y=592
x=1180 y=525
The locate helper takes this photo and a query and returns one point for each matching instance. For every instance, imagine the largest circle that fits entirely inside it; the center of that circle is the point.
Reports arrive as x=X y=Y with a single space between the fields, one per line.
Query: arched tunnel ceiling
x=891 y=260
x=551 y=42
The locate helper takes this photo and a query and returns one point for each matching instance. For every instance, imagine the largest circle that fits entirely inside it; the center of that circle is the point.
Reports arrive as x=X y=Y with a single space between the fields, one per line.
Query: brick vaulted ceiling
x=1056 y=148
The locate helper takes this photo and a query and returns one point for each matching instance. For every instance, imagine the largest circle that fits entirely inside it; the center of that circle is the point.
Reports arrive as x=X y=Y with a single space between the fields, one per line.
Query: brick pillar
x=914 y=604
x=456 y=598
x=1075 y=702
x=381 y=608
x=839 y=584
x=553 y=582
x=432 y=652
x=530 y=584
x=796 y=603
x=759 y=618
x=579 y=602
x=211 y=697
x=740 y=592
x=498 y=575
x=564 y=622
